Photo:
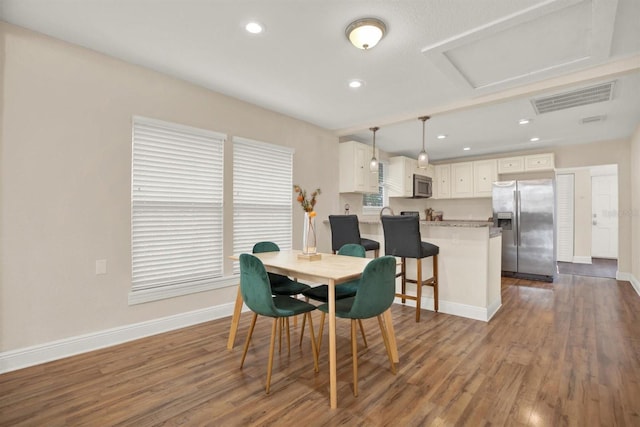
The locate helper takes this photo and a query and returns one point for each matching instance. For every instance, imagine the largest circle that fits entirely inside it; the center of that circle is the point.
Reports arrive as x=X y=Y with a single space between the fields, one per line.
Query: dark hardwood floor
x=563 y=353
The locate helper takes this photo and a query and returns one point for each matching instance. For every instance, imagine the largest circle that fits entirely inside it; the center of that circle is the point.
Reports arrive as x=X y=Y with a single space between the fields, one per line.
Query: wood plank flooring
x=599 y=267
x=563 y=353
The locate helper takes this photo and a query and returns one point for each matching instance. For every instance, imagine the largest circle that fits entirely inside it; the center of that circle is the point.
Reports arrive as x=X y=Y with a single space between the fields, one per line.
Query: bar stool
x=346 y=229
x=402 y=239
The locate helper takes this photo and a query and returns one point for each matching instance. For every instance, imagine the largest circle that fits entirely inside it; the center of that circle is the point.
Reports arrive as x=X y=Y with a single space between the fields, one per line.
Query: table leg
x=332 y=345
x=235 y=320
x=392 y=336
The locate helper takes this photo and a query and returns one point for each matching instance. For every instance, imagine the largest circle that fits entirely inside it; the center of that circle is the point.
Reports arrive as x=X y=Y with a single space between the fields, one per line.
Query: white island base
x=469 y=267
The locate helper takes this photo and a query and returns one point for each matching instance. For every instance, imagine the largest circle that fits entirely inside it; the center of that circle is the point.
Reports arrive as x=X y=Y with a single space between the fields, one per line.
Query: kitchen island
x=469 y=265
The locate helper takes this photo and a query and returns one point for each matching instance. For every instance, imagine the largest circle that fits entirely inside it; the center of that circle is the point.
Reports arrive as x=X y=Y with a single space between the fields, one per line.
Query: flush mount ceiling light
x=373 y=164
x=423 y=158
x=254 y=28
x=365 y=33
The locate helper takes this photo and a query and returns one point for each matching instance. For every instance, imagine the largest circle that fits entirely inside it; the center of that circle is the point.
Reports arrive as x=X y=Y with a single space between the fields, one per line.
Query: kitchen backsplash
x=479 y=209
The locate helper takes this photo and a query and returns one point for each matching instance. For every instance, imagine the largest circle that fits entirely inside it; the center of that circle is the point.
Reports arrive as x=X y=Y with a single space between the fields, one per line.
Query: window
x=176 y=210
x=372 y=203
x=262 y=195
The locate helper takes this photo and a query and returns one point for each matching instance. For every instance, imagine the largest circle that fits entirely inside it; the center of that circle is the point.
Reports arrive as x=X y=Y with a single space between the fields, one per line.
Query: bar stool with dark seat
x=402 y=239
x=346 y=229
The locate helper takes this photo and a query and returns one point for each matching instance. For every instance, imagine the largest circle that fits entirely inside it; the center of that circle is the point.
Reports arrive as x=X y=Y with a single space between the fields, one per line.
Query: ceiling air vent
x=575 y=98
x=593 y=119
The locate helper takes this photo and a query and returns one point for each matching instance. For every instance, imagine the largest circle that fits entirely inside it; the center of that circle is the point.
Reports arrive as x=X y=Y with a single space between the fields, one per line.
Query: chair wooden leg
x=246 y=344
x=418 y=288
x=435 y=283
x=272 y=346
x=280 y=320
x=354 y=355
x=304 y=318
x=286 y=321
x=320 y=332
x=376 y=253
x=387 y=345
x=313 y=344
x=403 y=277
x=364 y=338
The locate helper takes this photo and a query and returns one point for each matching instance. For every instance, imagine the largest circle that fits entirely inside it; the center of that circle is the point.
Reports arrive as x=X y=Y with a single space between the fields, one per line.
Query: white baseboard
x=21 y=358
x=582 y=260
x=630 y=278
x=457 y=309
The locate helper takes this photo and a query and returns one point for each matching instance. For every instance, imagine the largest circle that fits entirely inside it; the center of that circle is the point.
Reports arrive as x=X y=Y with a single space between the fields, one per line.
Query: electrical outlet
x=101 y=266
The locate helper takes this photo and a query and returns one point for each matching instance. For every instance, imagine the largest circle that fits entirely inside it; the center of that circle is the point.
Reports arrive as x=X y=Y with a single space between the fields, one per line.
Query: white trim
x=635 y=283
x=457 y=309
x=22 y=358
x=582 y=260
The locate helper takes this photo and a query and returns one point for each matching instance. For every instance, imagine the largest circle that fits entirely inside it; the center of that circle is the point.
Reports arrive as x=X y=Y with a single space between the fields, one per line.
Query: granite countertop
x=457 y=223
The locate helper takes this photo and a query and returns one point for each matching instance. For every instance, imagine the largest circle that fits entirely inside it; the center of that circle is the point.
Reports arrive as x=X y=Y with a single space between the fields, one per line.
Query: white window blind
x=262 y=195
x=176 y=199
x=372 y=203
x=565 y=212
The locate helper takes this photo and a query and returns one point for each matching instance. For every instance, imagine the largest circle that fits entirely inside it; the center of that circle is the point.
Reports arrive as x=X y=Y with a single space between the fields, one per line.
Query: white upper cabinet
x=355 y=176
x=511 y=164
x=539 y=162
x=484 y=174
x=462 y=180
x=442 y=183
x=400 y=177
x=533 y=162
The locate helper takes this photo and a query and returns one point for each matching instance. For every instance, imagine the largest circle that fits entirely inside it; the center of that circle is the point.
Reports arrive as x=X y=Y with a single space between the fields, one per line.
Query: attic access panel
x=534 y=43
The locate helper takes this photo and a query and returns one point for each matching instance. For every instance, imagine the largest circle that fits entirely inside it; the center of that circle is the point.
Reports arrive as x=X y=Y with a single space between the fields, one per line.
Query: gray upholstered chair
x=402 y=239
x=346 y=229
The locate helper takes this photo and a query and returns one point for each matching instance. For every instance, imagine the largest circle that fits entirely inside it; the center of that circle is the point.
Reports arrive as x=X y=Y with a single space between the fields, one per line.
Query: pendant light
x=373 y=164
x=423 y=157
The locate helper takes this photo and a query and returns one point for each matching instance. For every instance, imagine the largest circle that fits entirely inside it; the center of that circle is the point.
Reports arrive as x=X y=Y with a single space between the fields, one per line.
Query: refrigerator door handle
x=518 y=212
x=515 y=219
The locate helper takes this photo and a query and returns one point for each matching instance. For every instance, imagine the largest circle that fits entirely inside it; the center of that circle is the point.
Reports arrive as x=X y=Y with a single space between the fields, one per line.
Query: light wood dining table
x=330 y=269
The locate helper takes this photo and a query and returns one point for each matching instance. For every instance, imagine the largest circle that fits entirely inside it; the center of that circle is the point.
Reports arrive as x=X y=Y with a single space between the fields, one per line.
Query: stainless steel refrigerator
x=525 y=211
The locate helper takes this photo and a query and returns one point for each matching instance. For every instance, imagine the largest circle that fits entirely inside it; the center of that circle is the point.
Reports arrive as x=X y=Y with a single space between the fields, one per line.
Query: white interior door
x=604 y=216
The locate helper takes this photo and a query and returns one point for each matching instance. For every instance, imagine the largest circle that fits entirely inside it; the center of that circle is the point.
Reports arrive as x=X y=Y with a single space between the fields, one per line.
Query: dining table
x=329 y=269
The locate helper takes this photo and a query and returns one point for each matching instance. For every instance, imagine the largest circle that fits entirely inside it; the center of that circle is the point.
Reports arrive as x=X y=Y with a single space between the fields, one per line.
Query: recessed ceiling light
x=524 y=121
x=441 y=136
x=254 y=28
x=467 y=148
x=534 y=139
x=355 y=84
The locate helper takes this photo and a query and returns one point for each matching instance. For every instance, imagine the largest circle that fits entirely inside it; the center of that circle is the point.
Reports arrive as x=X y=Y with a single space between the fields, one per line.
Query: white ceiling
x=473 y=65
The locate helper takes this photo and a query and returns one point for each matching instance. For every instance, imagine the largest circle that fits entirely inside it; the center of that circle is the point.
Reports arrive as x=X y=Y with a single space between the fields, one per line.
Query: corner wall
x=66 y=182
x=635 y=210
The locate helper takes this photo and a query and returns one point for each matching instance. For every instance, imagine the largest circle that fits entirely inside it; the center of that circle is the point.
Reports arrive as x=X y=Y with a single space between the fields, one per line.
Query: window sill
x=148 y=295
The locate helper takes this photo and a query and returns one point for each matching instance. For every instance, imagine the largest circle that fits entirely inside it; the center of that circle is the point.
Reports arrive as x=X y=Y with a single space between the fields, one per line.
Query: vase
x=309 y=246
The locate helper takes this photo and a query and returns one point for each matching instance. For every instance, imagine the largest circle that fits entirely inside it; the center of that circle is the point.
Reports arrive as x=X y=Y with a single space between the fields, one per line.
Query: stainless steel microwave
x=422 y=187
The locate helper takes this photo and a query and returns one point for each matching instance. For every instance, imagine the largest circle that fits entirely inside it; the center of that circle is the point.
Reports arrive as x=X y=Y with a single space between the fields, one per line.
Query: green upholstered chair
x=280 y=285
x=256 y=293
x=343 y=290
x=375 y=295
